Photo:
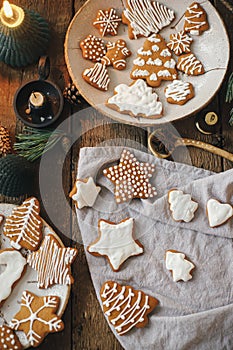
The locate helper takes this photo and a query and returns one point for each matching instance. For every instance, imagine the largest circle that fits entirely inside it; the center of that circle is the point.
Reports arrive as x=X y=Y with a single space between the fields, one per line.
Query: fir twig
x=229 y=94
x=231 y=118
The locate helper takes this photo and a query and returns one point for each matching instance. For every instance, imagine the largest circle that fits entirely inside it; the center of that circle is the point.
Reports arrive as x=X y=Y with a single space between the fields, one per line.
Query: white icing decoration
x=144 y=53
x=137 y=98
x=139 y=62
x=155 y=48
x=15 y=264
x=178 y=90
x=190 y=64
x=156 y=62
x=93 y=48
x=52 y=263
x=86 y=193
x=141 y=73
x=147 y=17
x=129 y=312
x=9 y=340
x=153 y=77
x=218 y=213
x=170 y=64
x=164 y=73
x=179 y=266
x=182 y=206
x=108 y=22
x=116 y=242
x=154 y=39
x=192 y=24
x=165 y=53
x=180 y=42
x=98 y=75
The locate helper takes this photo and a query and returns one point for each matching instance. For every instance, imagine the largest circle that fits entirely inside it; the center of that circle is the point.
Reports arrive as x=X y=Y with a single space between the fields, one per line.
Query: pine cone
x=72 y=95
x=5 y=142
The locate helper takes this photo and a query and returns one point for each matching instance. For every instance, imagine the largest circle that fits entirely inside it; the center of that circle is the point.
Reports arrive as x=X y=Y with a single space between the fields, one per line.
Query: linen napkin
x=197 y=314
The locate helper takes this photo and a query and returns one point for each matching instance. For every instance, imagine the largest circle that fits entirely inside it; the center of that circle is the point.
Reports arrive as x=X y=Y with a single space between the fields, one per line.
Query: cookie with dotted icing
x=179 y=265
x=125 y=306
x=180 y=43
x=145 y=17
x=8 y=339
x=116 y=55
x=97 y=76
x=131 y=178
x=195 y=20
x=93 y=48
x=107 y=22
x=179 y=92
x=154 y=62
x=190 y=65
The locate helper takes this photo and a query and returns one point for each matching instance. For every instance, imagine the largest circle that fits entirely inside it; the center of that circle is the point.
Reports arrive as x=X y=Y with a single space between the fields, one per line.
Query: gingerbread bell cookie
x=180 y=43
x=125 y=306
x=218 y=213
x=93 y=48
x=131 y=178
x=180 y=267
x=179 y=92
x=190 y=65
x=107 y=22
x=195 y=21
x=97 y=76
x=8 y=339
x=85 y=193
x=116 y=55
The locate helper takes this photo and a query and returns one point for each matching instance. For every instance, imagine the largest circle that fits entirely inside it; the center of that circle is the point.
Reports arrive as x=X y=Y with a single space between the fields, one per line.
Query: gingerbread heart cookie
x=218 y=213
x=97 y=76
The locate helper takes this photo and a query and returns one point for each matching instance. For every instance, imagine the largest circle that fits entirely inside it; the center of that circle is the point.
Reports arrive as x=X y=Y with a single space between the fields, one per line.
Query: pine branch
x=229 y=94
x=231 y=118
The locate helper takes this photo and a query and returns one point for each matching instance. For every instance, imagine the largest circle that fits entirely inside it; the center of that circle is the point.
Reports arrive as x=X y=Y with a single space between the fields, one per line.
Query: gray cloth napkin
x=194 y=315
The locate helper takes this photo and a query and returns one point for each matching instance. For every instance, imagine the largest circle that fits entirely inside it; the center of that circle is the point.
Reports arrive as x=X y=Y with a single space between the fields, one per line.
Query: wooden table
x=86 y=327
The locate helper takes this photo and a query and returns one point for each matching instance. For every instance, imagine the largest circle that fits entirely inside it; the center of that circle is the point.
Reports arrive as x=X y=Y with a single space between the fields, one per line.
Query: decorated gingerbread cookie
x=180 y=267
x=24 y=226
x=85 y=193
x=182 y=206
x=116 y=242
x=52 y=263
x=137 y=100
x=195 y=21
x=93 y=48
x=37 y=317
x=8 y=339
x=97 y=76
x=107 y=22
x=125 y=306
x=131 y=178
x=145 y=17
x=218 y=213
x=116 y=55
x=180 y=43
x=179 y=92
x=15 y=268
x=154 y=62
x=190 y=65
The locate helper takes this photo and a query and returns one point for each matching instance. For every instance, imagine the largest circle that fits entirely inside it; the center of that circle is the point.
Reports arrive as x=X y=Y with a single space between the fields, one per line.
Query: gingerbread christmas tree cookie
x=154 y=62
x=195 y=19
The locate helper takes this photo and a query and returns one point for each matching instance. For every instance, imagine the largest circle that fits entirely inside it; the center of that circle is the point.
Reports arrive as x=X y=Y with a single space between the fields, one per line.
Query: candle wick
x=34 y=95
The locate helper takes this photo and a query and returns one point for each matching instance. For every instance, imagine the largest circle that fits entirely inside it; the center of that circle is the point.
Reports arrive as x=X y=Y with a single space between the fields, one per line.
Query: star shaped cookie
x=131 y=178
x=179 y=266
x=85 y=193
x=116 y=242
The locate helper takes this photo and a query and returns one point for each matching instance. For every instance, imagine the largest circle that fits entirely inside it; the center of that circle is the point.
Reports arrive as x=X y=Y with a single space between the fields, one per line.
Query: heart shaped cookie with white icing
x=218 y=213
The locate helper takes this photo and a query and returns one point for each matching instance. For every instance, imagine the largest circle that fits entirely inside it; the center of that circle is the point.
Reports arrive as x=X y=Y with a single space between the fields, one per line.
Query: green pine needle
x=229 y=95
x=231 y=118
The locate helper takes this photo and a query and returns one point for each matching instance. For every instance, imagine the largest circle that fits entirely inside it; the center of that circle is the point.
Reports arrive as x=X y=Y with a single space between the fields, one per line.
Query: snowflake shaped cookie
x=182 y=206
x=180 y=43
x=131 y=178
x=107 y=22
x=37 y=317
x=179 y=266
x=85 y=193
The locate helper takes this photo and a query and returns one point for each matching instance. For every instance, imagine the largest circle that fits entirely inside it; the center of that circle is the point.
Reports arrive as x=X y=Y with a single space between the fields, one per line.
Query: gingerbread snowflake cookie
x=179 y=92
x=116 y=55
x=97 y=76
x=131 y=178
x=85 y=193
x=37 y=317
x=8 y=339
x=195 y=21
x=180 y=43
x=137 y=100
x=190 y=65
x=180 y=267
x=182 y=206
x=93 y=48
x=218 y=213
x=125 y=306
x=116 y=242
x=145 y=17
x=107 y=22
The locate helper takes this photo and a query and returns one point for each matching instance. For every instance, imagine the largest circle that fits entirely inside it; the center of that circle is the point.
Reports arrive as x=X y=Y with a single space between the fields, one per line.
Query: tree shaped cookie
x=145 y=17
x=107 y=22
x=180 y=43
x=52 y=263
x=125 y=306
x=24 y=226
x=154 y=62
x=37 y=317
x=116 y=55
x=195 y=21
x=8 y=339
x=179 y=266
x=97 y=76
x=131 y=178
x=190 y=65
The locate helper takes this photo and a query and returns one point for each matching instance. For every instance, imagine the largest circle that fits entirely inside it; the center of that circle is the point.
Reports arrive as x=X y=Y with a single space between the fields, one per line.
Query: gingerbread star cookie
x=125 y=306
x=116 y=55
x=24 y=226
x=97 y=76
x=93 y=48
x=179 y=92
x=116 y=242
x=131 y=178
x=85 y=193
x=190 y=65
x=37 y=317
x=8 y=339
x=218 y=213
x=107 y=22
x=179 y=266
x=180 y=43
x=195 y=21
x=52 y=263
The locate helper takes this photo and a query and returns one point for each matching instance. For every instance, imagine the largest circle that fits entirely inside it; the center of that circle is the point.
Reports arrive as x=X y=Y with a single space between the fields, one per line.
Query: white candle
x=37 y=99
x=7 y=9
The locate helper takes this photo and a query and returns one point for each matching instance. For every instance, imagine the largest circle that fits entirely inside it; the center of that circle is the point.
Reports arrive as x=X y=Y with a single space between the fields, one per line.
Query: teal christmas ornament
x=24 y=36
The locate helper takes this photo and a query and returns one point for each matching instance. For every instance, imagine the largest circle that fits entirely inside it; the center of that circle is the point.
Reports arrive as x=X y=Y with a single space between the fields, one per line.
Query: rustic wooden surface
x=86 y=328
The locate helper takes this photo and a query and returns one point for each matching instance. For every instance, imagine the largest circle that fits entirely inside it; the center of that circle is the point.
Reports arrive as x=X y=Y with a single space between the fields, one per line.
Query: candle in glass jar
x=36 y=99
x=11 y=16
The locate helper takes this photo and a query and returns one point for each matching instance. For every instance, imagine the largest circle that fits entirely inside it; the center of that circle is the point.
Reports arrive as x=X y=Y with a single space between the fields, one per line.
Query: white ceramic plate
x=212 y=48
x=28 y=282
